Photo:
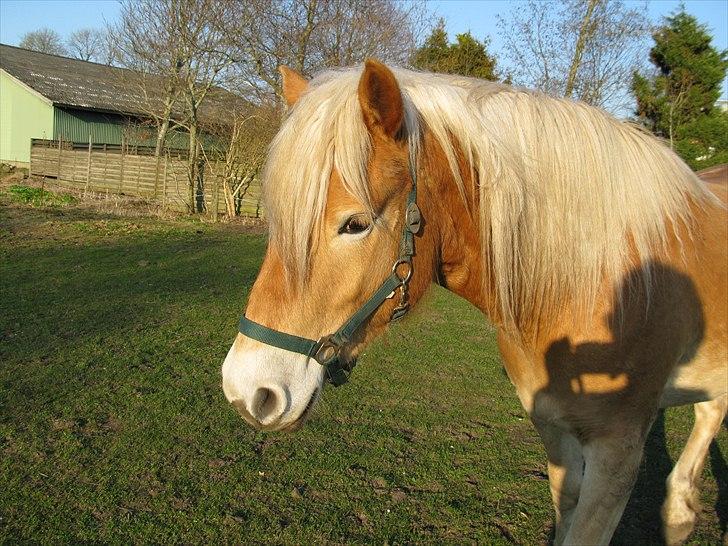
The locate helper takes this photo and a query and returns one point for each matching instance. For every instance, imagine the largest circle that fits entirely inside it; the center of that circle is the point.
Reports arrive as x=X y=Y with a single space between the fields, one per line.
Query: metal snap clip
x=413 y=218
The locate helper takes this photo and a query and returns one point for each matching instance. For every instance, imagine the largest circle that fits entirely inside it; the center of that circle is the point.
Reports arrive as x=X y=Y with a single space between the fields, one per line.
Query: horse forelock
x=568 y=196
x=322 y=132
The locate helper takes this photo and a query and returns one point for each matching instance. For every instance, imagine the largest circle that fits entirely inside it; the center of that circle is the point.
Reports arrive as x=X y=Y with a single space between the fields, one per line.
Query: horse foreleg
x=681 y=504
x=610 y=471
x=566 y=468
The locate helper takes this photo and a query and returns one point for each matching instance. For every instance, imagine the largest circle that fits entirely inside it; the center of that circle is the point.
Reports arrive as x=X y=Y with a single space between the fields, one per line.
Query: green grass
x=39 y=197
x=113 y=426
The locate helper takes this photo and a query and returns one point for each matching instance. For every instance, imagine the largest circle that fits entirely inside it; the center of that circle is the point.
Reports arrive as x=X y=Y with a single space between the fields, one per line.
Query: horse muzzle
x=270 y=388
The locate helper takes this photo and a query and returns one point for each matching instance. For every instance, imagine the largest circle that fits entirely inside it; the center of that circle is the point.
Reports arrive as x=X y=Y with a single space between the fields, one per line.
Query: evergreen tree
x=678 y=103
x=468 y=56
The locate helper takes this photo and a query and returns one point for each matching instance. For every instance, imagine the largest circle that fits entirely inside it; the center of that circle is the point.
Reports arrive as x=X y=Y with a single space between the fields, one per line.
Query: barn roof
x=92 y=86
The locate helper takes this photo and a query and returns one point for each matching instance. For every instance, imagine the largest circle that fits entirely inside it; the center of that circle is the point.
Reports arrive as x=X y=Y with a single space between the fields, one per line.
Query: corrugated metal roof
x=92 y=86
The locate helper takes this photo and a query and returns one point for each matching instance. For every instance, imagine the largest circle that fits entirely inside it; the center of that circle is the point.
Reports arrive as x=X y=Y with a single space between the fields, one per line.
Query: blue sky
x=479 y=16
x=64 y=16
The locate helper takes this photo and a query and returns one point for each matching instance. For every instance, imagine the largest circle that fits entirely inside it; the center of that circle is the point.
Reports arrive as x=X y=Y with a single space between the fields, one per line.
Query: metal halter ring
x=408 y=275
x=327 y=351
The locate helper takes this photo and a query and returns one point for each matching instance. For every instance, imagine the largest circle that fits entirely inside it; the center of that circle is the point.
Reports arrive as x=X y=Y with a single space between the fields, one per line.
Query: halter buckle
x=413 y=218
x=327 y=354
x=399 y=311
x=326 y=351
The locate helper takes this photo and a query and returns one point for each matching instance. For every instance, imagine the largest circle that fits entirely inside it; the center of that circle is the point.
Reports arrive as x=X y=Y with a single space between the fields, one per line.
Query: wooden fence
x=134 y=170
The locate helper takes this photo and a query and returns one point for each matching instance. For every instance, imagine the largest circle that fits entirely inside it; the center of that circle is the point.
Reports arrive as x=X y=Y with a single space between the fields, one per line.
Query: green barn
x=50 y=97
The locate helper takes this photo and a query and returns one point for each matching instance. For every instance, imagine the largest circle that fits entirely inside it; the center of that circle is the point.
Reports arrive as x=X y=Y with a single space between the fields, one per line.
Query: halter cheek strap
x=327 y=350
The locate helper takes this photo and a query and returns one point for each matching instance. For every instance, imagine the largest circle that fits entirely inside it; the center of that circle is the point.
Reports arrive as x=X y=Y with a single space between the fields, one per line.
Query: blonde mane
x=568 y=194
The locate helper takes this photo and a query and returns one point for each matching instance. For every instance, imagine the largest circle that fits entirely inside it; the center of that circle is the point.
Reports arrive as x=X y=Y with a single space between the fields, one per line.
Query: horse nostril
x=261 y=398
x=268 y=405
x=240 y=406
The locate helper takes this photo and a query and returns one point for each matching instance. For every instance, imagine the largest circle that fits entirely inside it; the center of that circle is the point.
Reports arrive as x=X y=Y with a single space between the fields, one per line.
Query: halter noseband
x=326 y=351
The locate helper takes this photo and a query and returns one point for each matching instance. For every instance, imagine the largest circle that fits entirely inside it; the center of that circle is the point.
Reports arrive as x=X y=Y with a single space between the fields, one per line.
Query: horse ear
x=293 y=85
x=380 y=99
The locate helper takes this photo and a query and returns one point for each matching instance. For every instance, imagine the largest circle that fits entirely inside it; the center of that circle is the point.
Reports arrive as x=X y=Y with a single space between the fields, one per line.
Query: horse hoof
x=678 y=523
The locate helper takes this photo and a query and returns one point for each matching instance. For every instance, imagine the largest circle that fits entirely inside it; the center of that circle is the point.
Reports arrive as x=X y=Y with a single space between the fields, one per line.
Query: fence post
x=74 y=160
x=139 y=168
x=60 y=147
x=106 y=164
x=164 y=182
x=216 y=193
x=88 y=167
x=121 y=168
x=156 y=177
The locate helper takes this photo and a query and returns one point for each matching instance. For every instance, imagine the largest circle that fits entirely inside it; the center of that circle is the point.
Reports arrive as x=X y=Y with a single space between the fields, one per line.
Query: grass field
x=113 y=426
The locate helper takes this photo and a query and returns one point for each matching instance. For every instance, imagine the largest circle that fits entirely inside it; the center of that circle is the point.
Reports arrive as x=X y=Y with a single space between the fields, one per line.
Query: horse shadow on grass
x=641 y=523
x=596 y=385
x=720 y=471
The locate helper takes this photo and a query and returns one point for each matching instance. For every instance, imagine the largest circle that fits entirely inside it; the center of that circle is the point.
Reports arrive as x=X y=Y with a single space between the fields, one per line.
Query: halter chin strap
x=327 y=350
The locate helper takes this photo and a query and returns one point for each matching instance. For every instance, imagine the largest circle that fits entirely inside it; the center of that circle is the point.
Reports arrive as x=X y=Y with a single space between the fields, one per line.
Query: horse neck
x=454 y=226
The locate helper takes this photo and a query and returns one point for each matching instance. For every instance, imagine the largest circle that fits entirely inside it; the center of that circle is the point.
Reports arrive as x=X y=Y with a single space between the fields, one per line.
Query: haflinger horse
x=596 y=252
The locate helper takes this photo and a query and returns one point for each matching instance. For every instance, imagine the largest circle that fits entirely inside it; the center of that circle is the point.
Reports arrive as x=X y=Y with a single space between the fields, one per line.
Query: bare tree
x=205 y=55
x=586 y=49
x=242 y=140
x=145 y=43
x=181 y=50
x=356 y=30
x=45 y=40
x=110 y=52
x=587 y=28
x=309 y=35
x=86 y=44
x=178 y=50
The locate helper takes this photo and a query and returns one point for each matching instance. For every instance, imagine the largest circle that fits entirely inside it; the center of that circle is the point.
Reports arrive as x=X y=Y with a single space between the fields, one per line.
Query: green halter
x=327 y=350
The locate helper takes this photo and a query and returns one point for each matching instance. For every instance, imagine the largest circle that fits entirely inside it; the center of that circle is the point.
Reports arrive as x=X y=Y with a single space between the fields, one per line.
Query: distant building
x=51 y=97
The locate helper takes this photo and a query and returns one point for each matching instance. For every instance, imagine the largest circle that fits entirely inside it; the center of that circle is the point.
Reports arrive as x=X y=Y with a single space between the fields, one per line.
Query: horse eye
x=355 y=224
